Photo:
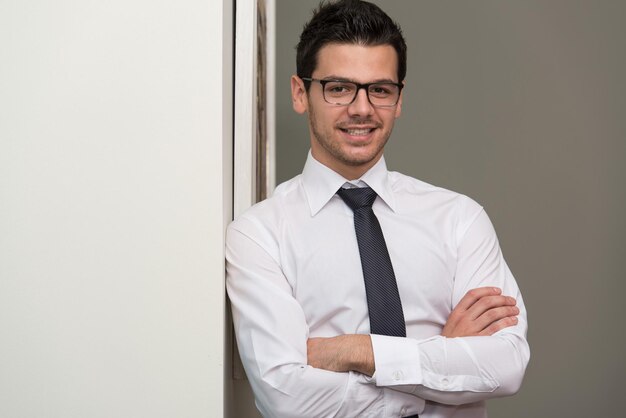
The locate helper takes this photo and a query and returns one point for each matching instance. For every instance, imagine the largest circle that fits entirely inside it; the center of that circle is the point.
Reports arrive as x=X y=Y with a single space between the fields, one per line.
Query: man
x=334 y=319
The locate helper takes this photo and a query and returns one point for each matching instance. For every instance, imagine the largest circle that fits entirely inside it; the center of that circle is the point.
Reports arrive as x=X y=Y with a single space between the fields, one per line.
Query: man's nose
x=361 y=104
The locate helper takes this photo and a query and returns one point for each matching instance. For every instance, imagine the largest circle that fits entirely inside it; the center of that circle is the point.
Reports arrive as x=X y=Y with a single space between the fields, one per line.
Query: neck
x=352 y=173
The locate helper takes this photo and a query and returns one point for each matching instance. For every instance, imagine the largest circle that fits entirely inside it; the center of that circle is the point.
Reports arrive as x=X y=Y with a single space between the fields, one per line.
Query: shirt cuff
x=397 y=361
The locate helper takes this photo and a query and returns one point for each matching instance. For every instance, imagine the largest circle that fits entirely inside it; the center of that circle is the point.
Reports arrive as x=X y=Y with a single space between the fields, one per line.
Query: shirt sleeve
x=456 y=371
x=272 y=332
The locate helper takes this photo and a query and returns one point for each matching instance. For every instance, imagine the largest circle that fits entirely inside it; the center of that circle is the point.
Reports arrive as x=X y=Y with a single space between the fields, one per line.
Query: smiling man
x=361 y=292
x=349 y=136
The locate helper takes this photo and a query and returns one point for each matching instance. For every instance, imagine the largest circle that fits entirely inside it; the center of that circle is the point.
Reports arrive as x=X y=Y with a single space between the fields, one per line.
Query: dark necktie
x=383 y=299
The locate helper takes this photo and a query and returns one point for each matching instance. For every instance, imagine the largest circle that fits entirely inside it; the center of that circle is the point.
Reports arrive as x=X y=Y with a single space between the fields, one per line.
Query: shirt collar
x=321 y=183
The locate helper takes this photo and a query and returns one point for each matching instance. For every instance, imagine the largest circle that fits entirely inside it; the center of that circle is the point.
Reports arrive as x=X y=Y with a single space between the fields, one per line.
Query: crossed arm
x=481 y=312
x=294 y=375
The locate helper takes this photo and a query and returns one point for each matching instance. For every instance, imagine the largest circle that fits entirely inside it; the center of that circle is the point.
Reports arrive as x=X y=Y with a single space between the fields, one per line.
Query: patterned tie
x=383 y=299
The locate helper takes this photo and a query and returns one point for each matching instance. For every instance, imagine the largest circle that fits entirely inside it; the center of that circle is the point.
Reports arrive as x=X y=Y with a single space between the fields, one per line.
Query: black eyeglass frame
x=359 y=86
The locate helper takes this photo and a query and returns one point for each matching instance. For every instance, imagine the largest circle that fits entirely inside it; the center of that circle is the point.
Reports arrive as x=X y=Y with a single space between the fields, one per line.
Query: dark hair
x=348 y=22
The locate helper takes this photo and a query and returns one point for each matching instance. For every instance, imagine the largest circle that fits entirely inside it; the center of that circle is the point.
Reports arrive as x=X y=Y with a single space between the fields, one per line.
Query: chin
x=363 y=152
x=356 y=159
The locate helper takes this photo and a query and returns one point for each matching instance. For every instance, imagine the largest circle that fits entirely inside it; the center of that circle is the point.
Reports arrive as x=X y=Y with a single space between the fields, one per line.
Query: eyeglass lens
x=342 y=93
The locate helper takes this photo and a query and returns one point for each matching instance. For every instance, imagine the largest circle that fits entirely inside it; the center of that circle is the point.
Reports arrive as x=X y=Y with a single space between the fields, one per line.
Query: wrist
x=361 y=355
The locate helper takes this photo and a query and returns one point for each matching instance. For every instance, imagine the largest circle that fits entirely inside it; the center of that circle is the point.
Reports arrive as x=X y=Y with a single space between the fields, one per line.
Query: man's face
x=349 y=139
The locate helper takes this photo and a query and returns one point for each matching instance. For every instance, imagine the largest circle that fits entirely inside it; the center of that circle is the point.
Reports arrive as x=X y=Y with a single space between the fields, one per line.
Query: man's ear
x=299 y=97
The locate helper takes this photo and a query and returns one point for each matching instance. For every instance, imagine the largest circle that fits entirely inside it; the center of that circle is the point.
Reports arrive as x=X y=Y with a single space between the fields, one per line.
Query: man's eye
x=381 y=90
x=339 y=88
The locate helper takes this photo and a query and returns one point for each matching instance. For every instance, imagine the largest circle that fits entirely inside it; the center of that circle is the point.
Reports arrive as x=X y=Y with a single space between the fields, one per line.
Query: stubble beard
x=324 y=139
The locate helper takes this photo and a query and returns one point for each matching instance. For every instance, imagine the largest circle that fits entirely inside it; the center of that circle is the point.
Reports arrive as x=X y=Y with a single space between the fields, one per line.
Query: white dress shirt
x=294 y=272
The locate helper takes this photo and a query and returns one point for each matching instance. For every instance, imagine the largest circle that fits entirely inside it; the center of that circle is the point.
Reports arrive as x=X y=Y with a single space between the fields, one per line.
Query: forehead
x=360 y=63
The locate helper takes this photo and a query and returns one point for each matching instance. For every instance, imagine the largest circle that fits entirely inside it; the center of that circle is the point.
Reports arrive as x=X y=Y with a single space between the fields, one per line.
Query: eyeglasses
x=342 y=93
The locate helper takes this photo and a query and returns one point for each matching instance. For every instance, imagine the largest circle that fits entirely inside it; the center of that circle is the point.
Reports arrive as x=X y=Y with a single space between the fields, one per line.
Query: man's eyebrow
x=340 y=78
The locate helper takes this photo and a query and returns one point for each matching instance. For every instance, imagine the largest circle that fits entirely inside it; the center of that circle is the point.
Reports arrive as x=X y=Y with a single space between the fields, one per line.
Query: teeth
x=357 y=132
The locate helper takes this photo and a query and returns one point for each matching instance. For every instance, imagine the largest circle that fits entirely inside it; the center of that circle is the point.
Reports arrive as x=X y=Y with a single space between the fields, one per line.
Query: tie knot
x=357 y=198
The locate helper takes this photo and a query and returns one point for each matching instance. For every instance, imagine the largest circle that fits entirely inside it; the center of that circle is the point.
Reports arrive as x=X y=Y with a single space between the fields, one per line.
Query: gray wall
x=520 y=105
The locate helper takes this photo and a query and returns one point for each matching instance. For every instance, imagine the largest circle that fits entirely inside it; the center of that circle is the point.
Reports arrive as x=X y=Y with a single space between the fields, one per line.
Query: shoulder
x=446 y=207
x=265 y=217
x=410 y=188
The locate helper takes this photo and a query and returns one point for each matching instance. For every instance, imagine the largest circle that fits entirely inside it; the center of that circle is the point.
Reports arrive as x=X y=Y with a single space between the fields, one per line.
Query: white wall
x=115 y=133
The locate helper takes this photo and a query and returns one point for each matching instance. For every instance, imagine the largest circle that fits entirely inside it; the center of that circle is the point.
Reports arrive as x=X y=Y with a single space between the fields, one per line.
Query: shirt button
x=403 y=412
x=398 y=375
x=445 y=383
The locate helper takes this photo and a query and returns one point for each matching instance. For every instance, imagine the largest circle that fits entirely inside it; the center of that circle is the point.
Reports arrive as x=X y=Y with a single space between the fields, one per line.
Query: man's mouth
x=357 y=131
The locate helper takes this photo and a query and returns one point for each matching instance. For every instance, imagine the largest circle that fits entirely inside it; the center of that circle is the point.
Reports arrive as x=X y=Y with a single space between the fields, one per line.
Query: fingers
x=475 y=295
x=488 y=303
x=498 y=325
x=482 y=311
x=495 y=315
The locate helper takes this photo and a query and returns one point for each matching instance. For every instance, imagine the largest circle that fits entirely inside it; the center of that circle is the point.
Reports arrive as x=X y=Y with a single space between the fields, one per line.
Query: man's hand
x=351 y=352
x=482 y=311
